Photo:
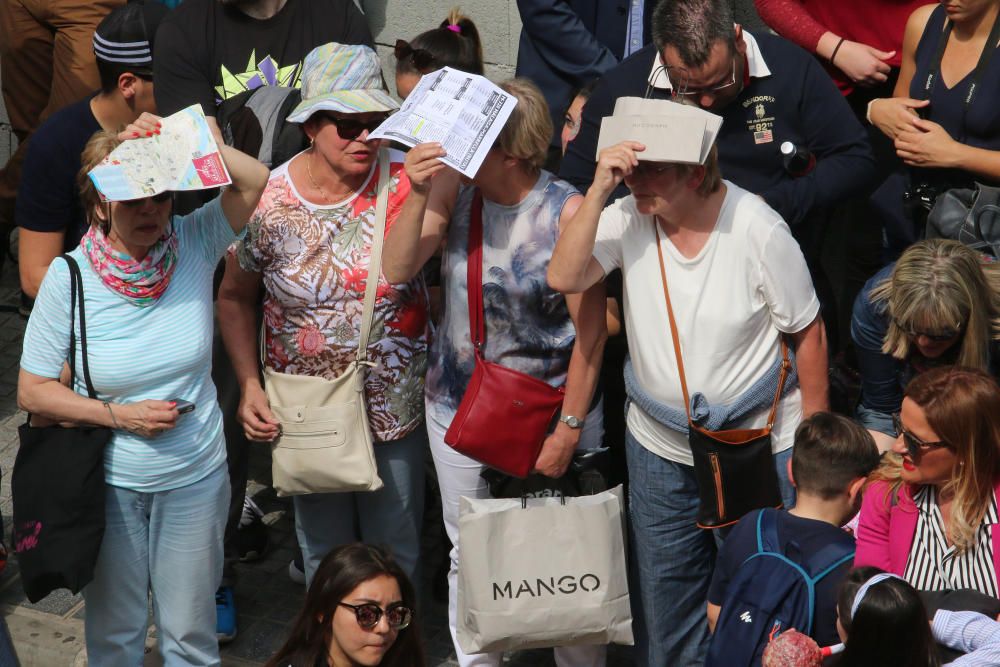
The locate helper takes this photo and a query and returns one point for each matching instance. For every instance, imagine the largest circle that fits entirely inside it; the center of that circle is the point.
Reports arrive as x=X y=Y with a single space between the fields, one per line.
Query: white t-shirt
x=746 y=286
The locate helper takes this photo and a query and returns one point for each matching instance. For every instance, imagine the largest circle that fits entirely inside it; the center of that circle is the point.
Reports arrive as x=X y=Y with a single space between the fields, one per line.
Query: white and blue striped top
x=160 y=352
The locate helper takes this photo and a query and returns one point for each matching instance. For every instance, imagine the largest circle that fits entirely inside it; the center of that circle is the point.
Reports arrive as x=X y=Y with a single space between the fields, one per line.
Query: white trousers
x=458 y=476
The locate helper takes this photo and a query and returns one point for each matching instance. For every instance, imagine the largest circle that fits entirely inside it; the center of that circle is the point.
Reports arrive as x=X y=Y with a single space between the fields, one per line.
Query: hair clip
x=454 y=28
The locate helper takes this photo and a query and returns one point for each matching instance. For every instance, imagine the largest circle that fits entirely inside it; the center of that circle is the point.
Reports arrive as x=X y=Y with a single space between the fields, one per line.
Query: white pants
x=458 y=476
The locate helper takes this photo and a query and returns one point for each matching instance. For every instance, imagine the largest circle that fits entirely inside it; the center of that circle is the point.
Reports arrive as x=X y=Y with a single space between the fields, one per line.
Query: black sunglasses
x=369 y=615
x=914 y=445
x=351 y=128
x=157 y=199
x=422 y=59
x=941 y=336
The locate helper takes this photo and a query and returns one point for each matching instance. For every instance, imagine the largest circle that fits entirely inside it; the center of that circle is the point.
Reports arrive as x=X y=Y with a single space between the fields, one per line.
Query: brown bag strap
x=785 y=363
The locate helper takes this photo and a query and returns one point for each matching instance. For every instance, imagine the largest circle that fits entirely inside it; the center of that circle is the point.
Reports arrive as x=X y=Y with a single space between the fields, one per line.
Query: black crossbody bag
x=58 y=486
x=734 y=468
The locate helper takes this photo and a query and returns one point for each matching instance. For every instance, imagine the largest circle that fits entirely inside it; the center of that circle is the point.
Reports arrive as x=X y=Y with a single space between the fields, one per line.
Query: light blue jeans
x=672 y=559
x=390 y=517
x=169 y=542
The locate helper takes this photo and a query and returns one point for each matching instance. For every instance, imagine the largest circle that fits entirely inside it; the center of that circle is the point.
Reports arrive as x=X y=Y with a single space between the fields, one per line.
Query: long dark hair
x=455 y=43
x=343 y=570
x=890 y=628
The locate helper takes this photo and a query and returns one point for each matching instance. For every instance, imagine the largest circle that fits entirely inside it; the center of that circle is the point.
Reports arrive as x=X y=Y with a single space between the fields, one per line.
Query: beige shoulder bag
x=325 y=444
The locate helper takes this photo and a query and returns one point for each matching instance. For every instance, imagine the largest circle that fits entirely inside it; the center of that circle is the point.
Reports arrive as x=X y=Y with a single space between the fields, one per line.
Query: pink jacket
x=886 y=528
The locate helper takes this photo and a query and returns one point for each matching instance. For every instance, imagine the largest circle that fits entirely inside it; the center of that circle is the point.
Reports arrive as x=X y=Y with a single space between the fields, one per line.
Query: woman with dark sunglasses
x=930 y=513
x=358 y=611
x=938 y=305
x=309 y=246
x=455 y=43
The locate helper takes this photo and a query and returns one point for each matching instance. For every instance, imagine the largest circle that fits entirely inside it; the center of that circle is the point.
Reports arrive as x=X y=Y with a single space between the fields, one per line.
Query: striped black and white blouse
x=934 y=565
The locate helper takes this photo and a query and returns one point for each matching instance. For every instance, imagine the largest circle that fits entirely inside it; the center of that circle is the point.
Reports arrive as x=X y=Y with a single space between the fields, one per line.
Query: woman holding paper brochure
x=309 y=246
x=739 y=286
x=529 y=327
x=147 y=285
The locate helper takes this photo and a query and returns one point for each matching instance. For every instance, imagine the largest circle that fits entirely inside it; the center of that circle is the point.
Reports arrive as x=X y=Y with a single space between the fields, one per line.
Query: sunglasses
x=941 y=336
x=422 y=59
x=351 y=128
x=369 y=615
x=157 y=199
x=914 y=445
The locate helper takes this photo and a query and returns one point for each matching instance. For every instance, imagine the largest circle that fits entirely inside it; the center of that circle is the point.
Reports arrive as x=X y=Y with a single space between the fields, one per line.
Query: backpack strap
x=828 y=559
x=767 y=531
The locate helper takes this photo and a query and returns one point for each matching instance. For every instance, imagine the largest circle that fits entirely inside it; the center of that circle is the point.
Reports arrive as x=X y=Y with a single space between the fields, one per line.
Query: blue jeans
x=672 y=559
x=389 y=517
x=169 y=542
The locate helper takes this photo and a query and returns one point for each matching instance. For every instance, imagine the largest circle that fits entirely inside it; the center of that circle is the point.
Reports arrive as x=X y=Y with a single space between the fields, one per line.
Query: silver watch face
x=571 y=421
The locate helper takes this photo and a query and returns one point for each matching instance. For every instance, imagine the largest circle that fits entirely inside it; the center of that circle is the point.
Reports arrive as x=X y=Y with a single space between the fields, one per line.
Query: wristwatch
x=571 y=421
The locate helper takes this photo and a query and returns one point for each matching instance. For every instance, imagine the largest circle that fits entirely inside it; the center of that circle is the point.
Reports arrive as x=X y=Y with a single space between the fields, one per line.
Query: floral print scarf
x=140 y=283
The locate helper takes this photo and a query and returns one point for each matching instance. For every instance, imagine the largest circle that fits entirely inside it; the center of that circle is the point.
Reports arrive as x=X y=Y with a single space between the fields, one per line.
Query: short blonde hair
x=936 y=285
x=528 y=131
x=98 y=147
x=713 y=176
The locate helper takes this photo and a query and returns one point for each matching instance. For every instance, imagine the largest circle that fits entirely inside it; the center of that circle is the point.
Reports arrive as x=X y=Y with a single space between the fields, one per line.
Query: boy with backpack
x=780 y=569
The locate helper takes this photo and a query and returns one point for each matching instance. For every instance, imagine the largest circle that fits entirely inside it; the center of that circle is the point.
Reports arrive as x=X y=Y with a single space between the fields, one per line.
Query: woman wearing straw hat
x=309 y=245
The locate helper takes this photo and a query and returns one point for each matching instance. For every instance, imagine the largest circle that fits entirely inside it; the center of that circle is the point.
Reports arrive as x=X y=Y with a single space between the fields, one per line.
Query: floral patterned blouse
x=314 y=263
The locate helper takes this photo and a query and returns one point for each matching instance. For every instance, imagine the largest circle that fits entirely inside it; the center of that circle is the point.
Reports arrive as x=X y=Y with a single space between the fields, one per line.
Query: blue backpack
x=769 y=594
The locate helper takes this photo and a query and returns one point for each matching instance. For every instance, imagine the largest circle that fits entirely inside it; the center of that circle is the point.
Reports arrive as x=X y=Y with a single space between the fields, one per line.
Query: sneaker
x=225 y=614
x=251 y=535
x=296 y=570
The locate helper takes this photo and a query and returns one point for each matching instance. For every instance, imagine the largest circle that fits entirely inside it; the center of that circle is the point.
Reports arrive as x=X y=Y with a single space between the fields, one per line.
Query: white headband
x=130 y=53
x=860 y=595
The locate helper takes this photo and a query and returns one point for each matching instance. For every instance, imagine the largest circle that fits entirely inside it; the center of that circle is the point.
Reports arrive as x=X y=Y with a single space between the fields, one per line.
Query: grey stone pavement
x=50 y=633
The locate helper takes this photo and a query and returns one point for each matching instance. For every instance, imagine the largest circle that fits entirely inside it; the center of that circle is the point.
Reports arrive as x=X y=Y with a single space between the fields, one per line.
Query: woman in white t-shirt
x=738 y=284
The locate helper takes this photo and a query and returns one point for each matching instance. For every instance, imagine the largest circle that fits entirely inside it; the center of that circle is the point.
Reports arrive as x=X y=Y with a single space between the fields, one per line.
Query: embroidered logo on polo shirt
x=760 y=122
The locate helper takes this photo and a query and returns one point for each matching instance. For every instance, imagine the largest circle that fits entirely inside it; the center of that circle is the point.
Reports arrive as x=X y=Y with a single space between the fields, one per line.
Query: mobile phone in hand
x=183 y=407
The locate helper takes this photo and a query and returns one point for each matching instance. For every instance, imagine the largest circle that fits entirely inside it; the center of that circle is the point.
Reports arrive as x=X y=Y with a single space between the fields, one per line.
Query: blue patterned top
x=528 y=327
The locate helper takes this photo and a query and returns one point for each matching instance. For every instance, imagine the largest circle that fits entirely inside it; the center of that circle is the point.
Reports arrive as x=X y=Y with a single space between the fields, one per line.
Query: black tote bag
x=58 y=487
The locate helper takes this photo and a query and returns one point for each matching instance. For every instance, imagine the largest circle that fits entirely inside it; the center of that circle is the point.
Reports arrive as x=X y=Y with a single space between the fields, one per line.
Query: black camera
x=923 y=195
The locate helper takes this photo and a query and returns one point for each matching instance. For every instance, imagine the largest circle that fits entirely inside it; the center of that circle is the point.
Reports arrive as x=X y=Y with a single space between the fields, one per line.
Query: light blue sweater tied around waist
x=760 y=395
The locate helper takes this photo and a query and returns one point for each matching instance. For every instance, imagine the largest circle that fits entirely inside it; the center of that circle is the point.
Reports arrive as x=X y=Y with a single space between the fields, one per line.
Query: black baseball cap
x=125 y=36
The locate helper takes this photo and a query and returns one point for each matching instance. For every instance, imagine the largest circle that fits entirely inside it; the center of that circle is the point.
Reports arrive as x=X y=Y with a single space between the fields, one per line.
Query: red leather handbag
x=504 y=415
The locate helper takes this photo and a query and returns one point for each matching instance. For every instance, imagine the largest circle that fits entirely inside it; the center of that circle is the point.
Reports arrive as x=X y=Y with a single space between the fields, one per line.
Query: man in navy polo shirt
x=767 y=90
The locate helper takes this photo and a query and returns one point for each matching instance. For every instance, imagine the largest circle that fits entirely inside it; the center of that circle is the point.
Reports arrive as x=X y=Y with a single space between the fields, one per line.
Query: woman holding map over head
x=147 y=293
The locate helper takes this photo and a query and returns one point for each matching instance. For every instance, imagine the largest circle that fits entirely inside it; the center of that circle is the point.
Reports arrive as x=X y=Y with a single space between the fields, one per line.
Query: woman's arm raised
x=416 y=234
x=573 y=268
x=248 y=175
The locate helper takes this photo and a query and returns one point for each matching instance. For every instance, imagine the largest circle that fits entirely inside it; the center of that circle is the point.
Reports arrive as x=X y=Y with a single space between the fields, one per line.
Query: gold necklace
x=319 y=188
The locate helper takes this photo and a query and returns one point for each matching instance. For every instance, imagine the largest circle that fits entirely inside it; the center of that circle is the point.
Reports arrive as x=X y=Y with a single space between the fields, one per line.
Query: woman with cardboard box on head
x=718 y=269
